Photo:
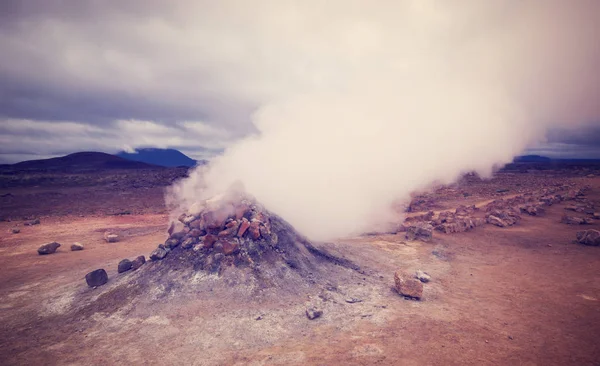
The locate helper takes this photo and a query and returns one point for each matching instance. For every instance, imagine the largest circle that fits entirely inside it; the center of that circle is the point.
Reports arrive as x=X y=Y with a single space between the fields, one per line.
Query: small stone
x=96 y=278
x=124 y=266
x=352 y=300
x=48 y=248
x=422 y=276
x=111 y=238
x=15 y=230
x=76 y=246
x=32 y=222
x=159 y=253
x=313 y=313
x=407 y=285
x=138 y=262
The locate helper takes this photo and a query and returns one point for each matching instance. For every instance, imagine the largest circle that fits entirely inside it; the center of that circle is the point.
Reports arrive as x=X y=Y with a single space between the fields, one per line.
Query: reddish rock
x=254 y=230
x=209 y=240
x=243 y=227
x=407 y=285
x=230 y=246
x=231 y=229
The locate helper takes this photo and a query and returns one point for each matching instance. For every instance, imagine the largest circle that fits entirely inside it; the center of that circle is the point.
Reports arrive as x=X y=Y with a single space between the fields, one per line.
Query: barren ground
x=524 y=295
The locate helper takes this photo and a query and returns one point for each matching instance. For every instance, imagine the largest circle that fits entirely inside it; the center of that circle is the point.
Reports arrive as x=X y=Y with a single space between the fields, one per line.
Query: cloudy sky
x=111 y=75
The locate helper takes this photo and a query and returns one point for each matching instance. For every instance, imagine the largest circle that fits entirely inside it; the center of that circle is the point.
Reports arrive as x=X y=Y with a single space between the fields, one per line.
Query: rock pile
x=233 y=229
x=459 y=221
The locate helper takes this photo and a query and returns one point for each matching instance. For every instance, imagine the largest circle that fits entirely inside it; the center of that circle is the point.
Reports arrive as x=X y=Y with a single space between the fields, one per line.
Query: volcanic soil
x=525 y=294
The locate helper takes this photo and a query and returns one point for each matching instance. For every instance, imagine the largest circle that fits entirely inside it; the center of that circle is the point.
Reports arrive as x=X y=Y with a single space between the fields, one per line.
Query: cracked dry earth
x=525 y=294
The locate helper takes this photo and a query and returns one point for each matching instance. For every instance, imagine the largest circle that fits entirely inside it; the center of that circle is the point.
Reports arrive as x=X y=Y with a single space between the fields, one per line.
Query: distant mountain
x=531 y=159
x=78 y=162
x=162 y=157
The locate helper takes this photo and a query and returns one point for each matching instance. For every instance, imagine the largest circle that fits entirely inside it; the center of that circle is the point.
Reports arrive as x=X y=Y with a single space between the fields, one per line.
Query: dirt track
x=521 y=295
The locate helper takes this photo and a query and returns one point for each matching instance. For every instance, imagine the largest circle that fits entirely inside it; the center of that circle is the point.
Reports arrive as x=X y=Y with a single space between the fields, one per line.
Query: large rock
x=76 y=247
x=589 y=237
x=48 y=248
x=407 y=285
x=124 y=266
x=96 y=278
x=419 y=231
x=159 y=253
x=138 y=262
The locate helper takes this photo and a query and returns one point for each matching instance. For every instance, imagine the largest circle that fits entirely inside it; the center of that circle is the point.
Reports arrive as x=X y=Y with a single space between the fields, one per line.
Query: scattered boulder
x=48 y=248
x=419 y=231
x=574 y=220
x=96 y=278
x=138 y=262
x=313 y=313
x=15 y=230
x=76 y=247
x=159 y=253
x=124 y=266
x=110 y=237
x=589 y=237
x=407 y=285
x=422 y=276
x=32 y=222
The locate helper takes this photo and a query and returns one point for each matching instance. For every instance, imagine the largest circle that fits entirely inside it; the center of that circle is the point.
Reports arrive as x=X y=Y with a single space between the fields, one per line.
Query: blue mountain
x=162 y=157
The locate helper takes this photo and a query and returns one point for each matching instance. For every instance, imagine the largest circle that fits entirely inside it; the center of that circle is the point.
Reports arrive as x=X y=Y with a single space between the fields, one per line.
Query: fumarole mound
x=235 y=237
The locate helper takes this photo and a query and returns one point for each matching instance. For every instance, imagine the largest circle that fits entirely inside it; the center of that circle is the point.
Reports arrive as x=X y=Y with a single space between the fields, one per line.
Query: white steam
x=363 y=103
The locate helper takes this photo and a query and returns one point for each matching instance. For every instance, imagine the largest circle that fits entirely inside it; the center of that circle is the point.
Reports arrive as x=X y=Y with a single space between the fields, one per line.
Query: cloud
x=384 y=99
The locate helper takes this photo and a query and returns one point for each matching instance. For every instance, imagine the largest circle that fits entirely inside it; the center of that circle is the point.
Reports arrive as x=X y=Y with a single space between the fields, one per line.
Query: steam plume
x=368 y=102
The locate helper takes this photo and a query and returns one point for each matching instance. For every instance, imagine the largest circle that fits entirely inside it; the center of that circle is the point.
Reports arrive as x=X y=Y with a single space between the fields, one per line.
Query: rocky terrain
x=500 y=271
